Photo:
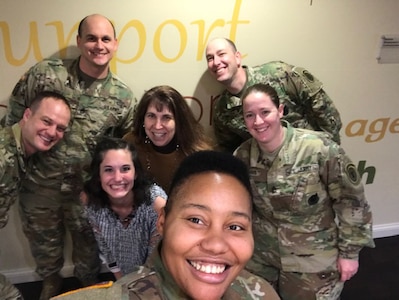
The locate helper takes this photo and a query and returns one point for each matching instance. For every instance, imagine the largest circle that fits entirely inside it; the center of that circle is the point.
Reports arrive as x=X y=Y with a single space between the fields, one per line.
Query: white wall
x=337 y=40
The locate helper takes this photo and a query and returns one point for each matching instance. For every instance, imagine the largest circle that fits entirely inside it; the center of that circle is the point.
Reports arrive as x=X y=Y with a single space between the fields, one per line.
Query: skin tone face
x=223 y=61
x=207 y=235
x=97 y=45
x=159 y=126
x=262 y=119
x=43 y=128
x=117 y=174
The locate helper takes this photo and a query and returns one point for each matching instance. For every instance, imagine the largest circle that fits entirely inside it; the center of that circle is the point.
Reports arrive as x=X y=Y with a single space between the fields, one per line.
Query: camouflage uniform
x=306 y=104
x=49 y=197
x=8 y=291
x=12 y=166
x=309 y=209
x=153 y=281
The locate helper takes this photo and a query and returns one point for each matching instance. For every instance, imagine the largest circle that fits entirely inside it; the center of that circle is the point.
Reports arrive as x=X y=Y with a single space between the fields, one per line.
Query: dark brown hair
x=189 y=134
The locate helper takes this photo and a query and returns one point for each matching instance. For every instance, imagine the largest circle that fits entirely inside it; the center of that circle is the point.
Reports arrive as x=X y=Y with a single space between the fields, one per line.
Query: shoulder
x=7 y=141
x=117 y=82
x=144 y=283
x=157 y=191
x=310 y=142
x=251 y=286
x=50 y=63
x=273 y=66
x=243 y=151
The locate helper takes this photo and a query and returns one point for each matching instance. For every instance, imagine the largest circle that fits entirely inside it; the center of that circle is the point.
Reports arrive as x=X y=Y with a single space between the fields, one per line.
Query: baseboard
x=385 y=230
x=29 y=275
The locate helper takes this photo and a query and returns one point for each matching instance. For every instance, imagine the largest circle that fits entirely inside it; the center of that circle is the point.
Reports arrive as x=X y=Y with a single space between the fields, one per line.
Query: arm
x=320 y=111
x=126 y=123
x=353 y=214
x=228 y=124
x=8 y=179
x=106 y=255
x=49 y=74
x=158 y=197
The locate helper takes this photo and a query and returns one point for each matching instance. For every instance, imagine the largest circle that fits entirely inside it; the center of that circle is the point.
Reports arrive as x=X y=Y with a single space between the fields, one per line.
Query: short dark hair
x=35 y=103
x=205 y=162
x=231 y=43
x=97 y=196
x=264 y=88
x=83 y=21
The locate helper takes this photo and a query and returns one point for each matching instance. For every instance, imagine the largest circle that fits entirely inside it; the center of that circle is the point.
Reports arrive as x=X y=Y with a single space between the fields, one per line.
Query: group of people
x=171 y=212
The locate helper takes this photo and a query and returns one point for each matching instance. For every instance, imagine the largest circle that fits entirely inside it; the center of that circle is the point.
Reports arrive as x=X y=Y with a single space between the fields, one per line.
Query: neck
x=275 y=144
x=169 y=148
x=238 y=81
x=97 y=72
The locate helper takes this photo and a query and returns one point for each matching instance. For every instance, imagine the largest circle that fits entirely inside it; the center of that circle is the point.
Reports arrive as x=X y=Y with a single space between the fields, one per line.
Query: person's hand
x=118 y=275
x=159 y=203
x=347 y=267
x=83 y=198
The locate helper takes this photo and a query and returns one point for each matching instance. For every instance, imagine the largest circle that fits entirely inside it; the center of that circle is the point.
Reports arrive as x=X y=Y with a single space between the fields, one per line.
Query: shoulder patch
x=351 y=172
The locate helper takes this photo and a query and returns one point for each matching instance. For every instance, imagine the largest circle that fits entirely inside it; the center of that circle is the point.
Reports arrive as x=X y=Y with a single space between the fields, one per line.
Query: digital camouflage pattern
x=306 y=104
x=297 y=197
x=104 y=108
x=49 y=196
x=7 y=290
x=12 y=168
x=153 y=281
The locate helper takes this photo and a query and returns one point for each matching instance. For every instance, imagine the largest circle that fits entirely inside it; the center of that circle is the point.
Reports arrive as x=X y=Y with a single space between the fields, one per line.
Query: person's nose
x=158 y=123
x=99 y=44
x=118 y=175
x=52 y=130
x=216 y=60
x=258 y=119
x=214 y=242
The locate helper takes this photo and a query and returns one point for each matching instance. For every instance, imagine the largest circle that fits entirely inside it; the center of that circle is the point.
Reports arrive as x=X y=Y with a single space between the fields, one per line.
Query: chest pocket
x=299 y=192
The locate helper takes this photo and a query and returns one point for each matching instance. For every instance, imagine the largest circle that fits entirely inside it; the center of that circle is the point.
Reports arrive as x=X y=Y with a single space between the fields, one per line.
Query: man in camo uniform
x=311 y=217
x=306 y=103
x=42 y=126
x=101 y=105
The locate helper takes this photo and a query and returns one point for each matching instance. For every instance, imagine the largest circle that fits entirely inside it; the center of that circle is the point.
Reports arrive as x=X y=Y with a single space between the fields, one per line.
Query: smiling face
x=207 y=234
x=97 y=44
x=44 y=126
x=262 y=119
x=159 y=126
x=117 y=174
x=223 y=61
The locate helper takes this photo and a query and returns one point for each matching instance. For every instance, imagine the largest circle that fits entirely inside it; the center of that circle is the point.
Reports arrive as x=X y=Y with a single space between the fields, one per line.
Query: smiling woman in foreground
x=206 y=229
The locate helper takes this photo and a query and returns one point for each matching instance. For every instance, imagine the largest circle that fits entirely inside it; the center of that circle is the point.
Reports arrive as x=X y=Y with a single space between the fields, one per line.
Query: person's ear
x=161 y=221
x=27 y=114
x=238 y=58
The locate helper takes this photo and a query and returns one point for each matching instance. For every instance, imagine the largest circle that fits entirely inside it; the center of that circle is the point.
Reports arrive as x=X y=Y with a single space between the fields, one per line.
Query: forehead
x=158 y=106
x=218 y=191
x=51 y=104
x=97 y=25
x=218 y=45
x=115 y=156
x=257 y=98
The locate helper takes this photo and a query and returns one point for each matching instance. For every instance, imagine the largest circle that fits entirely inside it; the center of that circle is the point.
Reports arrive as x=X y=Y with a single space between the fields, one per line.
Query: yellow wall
x=162 y=42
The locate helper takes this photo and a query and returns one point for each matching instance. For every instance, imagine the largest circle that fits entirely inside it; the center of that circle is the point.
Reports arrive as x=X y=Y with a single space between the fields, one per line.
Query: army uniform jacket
x=306 y=104
x=309 y=203
x=153 y=281
x=105 y=107
x=12 y=166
